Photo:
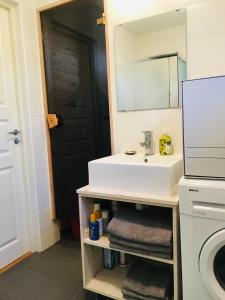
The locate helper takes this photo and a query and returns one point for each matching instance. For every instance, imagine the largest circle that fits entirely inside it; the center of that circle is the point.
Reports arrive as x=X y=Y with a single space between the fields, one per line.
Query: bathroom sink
x=159 y=175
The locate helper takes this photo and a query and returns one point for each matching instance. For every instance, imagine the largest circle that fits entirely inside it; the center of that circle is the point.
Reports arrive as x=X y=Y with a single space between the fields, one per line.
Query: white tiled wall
x=206 y=19
x=206 y=39
x=205 y=57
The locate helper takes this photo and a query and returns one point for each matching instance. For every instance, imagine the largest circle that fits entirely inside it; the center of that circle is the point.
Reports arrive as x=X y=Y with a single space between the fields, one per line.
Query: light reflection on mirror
x=151 y=62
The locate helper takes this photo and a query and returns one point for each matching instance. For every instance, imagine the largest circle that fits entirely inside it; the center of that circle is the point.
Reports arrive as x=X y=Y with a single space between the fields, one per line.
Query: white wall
x=206 y=39
x=129 y=47
x=205 y=57
x=41 y=3
x=164 y=41
x=125 y=45
x=43 y=231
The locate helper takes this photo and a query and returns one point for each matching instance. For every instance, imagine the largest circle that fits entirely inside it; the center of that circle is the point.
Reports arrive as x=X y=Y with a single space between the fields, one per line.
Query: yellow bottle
x=165 y=144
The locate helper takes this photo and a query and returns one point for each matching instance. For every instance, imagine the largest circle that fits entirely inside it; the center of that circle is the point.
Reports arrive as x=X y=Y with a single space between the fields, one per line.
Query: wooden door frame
x=44 y=88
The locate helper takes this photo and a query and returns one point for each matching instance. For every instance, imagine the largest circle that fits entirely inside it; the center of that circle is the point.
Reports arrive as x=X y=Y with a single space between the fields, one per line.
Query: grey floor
x=54 y=274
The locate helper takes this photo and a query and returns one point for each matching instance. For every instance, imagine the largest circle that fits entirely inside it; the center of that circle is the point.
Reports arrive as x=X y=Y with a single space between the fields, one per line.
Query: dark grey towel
x=149 y=279
x=140 y=246
x=133 y=296
x=142 y=226
x=148 y=253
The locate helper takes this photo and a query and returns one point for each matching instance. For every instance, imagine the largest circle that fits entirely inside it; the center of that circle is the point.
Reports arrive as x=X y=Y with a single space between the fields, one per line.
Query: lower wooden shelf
x=108 y=282
x=103 y=242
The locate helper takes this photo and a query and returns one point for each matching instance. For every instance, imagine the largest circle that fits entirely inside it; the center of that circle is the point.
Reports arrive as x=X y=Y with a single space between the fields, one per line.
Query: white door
x=13 y=227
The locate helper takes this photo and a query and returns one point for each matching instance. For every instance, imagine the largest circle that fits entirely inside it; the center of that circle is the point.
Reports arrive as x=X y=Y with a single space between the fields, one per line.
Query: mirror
x=151 y=62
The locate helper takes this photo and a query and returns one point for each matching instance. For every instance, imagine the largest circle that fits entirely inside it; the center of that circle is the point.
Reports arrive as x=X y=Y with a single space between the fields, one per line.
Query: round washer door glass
x=212 y=265
x=219 y=266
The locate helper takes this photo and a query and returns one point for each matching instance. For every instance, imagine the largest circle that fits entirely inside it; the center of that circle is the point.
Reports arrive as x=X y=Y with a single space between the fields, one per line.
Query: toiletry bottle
x=122 y=259
x=139 y=206
x=105 y=220
x=93 y=228
x=114 y=207
x=98 y=215
x=165 y=144
x=96 y=207
x=109 y=258
x=168 y=148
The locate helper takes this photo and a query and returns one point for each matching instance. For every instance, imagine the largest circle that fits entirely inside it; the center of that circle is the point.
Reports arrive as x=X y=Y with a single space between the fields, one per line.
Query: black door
x=71 y=92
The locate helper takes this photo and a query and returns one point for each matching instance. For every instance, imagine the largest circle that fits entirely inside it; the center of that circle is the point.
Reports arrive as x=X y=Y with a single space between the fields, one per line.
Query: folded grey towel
x=133 y=296
x=140 y=246
x=149 y=279
x=142 y=226
x=149 y=252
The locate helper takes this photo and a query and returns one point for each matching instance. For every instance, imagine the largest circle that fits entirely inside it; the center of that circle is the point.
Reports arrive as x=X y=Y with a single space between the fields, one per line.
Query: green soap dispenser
x=165 y=143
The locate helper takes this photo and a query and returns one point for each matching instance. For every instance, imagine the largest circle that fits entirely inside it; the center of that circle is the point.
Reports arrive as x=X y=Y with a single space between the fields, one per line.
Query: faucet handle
x=147 y=132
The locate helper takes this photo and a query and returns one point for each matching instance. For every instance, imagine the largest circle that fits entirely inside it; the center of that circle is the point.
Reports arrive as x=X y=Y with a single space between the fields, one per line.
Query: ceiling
x=157 y=22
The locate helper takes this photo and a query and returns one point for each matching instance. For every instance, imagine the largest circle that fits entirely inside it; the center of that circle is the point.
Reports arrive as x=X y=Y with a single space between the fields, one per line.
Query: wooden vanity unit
x=109 y=282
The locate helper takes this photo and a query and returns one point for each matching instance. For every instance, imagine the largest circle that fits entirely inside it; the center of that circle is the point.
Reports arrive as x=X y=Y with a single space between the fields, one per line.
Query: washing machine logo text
x=194 y=190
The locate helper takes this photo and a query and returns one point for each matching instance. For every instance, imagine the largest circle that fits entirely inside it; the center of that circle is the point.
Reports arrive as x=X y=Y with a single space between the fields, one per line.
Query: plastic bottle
x=122 y=259
x=98 y=215
x=109 y=258
x=165 y=143
x=96 y=207
x=105 y=220
x=93 y=228
x=139 y=206
x=114 y=207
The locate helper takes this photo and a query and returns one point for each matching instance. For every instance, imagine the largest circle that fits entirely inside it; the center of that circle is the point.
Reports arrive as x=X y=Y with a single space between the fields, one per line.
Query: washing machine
x=202 y=220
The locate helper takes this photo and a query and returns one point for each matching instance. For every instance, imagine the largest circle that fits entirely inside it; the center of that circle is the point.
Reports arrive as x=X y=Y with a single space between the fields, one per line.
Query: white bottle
x=105 y=220
x=100 y=224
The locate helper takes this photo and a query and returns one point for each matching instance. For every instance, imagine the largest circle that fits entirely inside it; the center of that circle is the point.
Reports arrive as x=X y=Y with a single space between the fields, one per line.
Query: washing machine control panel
x=200 y=201
x=209 y=210
x=199 y=212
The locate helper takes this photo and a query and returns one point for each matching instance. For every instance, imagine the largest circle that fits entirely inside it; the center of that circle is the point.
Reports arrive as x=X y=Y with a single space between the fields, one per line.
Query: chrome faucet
x=148 y=143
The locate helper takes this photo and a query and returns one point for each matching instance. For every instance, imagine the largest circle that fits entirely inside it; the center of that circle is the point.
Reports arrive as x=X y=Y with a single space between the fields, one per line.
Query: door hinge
x=102 y=20
x=52 y=120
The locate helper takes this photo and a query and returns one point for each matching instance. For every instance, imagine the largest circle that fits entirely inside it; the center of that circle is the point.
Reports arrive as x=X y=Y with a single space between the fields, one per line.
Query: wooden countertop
x=158 y=200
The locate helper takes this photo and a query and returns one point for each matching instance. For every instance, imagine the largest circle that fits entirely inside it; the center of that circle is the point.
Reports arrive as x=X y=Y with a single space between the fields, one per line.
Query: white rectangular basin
x=130 y=173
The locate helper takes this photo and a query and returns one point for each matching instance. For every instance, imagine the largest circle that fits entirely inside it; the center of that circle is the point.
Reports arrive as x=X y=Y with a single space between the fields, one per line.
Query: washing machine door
x=212 y=265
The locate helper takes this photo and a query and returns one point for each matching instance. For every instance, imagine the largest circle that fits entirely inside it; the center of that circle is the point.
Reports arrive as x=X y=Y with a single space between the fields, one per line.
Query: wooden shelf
x=157 y=200
x=103 y=242
x=108 y=282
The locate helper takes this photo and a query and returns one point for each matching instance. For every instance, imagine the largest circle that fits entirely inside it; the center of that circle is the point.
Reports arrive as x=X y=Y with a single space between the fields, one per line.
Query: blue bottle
x=93 y=228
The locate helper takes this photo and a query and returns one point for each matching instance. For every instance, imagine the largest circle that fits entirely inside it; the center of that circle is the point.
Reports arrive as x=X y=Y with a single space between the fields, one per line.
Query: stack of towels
x=147 y=232
x=147 y=280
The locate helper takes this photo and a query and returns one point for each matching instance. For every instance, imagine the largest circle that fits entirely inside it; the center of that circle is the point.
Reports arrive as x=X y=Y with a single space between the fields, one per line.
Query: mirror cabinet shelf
x=151 y=62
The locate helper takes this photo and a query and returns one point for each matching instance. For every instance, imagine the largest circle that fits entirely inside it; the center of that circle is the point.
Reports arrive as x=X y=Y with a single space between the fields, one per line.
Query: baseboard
x=15 y=262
